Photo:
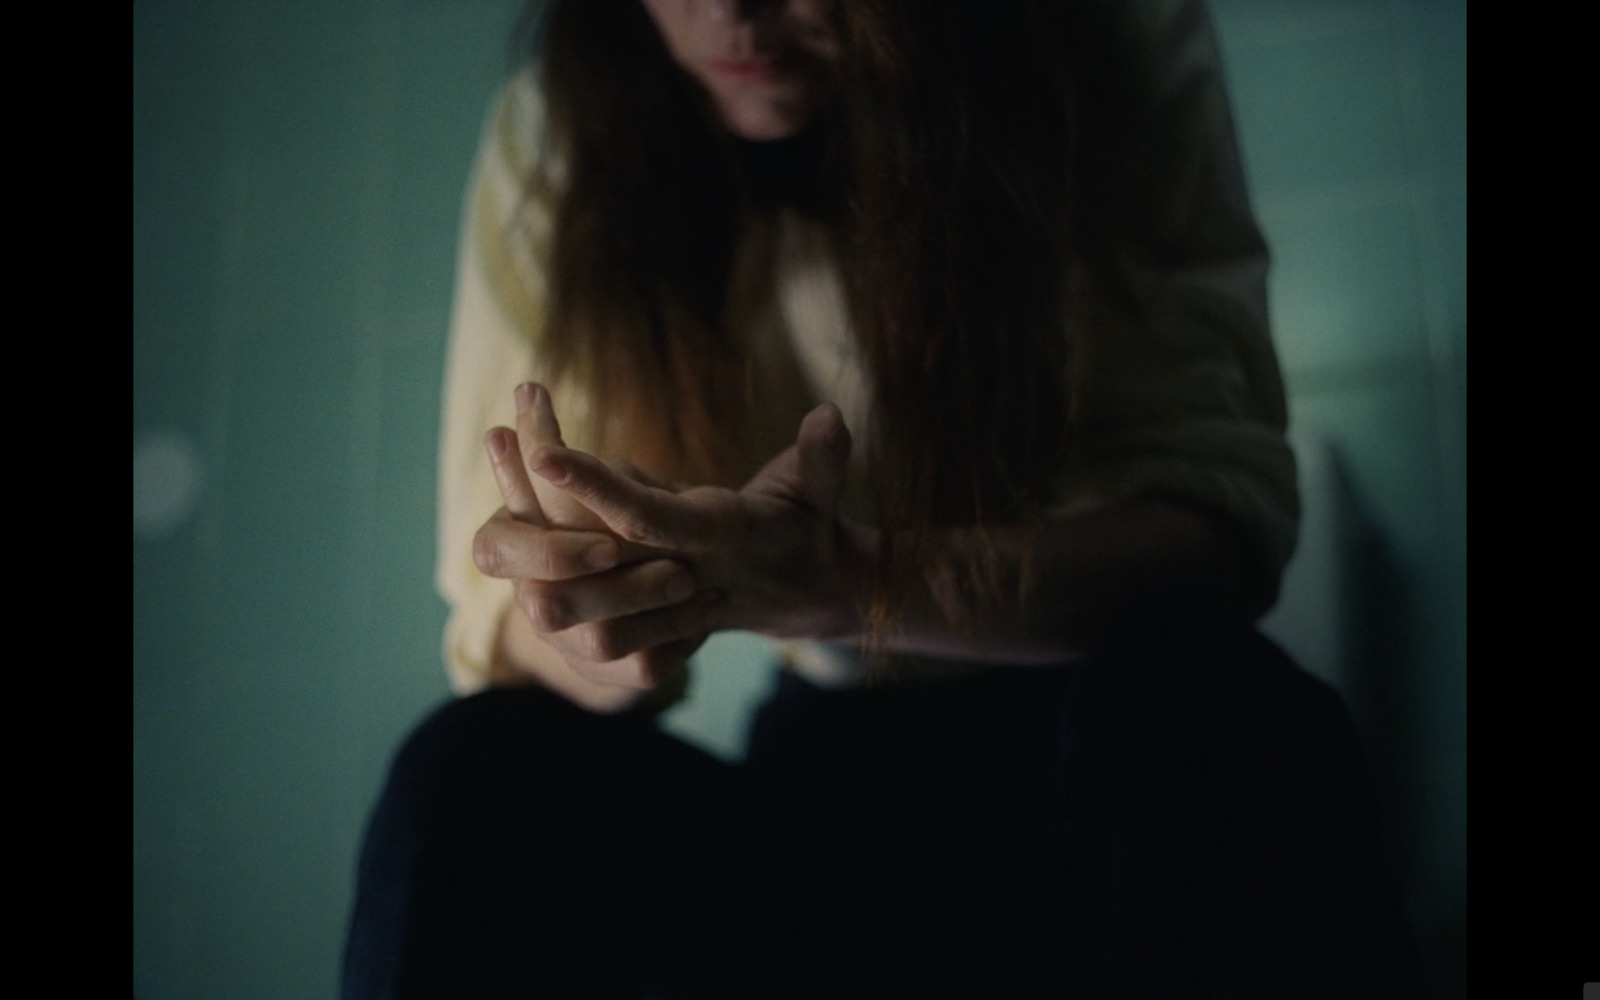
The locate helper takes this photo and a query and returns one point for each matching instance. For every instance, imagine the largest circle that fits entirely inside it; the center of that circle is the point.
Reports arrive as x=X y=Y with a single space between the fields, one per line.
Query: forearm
x=791 y=569
x=1074 y=583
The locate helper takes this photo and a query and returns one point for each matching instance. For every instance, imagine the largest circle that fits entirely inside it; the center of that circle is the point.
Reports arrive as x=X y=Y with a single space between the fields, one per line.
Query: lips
x=744 y=70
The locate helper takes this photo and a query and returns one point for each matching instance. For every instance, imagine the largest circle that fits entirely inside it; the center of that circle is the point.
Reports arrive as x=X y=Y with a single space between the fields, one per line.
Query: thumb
x=823 y=447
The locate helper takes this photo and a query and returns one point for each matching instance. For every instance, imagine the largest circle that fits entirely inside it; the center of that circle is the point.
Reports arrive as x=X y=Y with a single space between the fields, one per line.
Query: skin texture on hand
x=601 y=622
x=775 y=549
x=793 y=569
x=775 y=558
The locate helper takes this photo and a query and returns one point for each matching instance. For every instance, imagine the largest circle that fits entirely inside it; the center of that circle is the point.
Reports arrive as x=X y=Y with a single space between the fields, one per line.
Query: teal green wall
x=297 y=175
x=298 y=168
x=1352 y=116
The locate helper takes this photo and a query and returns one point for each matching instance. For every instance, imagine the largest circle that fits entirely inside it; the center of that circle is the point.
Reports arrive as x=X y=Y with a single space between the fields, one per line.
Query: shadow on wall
x=1343 y=609
x=1387 y=693
x=1345 y=615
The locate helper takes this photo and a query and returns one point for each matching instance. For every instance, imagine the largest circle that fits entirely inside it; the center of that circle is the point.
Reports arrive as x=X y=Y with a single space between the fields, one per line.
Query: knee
x=452 y=737
x=462 y=745
x=500 y=732
x=1232 y=686
x=1219 y=719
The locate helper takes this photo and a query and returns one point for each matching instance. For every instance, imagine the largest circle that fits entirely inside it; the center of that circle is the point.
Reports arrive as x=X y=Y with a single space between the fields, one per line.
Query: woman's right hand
x=606 y=623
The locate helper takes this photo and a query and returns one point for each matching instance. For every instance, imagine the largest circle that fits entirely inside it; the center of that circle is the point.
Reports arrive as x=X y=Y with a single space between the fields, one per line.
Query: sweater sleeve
x=1187 y=398
x=495 y=325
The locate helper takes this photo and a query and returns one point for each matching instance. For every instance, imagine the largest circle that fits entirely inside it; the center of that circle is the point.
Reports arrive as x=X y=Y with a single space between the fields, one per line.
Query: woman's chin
x=761 y=119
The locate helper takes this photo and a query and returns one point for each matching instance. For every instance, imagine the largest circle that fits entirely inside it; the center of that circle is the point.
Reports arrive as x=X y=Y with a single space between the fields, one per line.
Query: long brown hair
x=943 y=171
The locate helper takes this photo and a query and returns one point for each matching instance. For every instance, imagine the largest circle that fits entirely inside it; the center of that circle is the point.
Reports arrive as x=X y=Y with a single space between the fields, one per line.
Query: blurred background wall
x=298 y=168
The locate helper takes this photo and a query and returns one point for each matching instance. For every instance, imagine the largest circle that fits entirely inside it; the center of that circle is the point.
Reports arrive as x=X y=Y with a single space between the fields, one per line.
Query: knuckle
x=547 y=562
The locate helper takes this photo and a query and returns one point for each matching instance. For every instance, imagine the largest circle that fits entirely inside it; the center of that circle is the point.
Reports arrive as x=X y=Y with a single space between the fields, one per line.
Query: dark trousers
x=1172 y=818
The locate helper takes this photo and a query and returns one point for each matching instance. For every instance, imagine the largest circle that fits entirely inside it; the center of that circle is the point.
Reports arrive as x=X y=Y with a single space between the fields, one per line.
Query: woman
x=1026 y=740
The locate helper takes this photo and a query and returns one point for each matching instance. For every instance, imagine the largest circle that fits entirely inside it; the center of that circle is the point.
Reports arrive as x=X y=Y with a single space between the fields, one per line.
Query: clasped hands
x=624 y=576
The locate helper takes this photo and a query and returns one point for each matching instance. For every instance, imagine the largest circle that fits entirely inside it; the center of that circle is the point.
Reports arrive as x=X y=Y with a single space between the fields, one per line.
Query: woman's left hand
x=788 y=565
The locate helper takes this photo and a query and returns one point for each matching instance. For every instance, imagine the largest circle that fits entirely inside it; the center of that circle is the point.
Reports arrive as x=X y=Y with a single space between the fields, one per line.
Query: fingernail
x=679 y=588
x=496 y=442
x=552 y=470
x=601 y=556
x=524 y=396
